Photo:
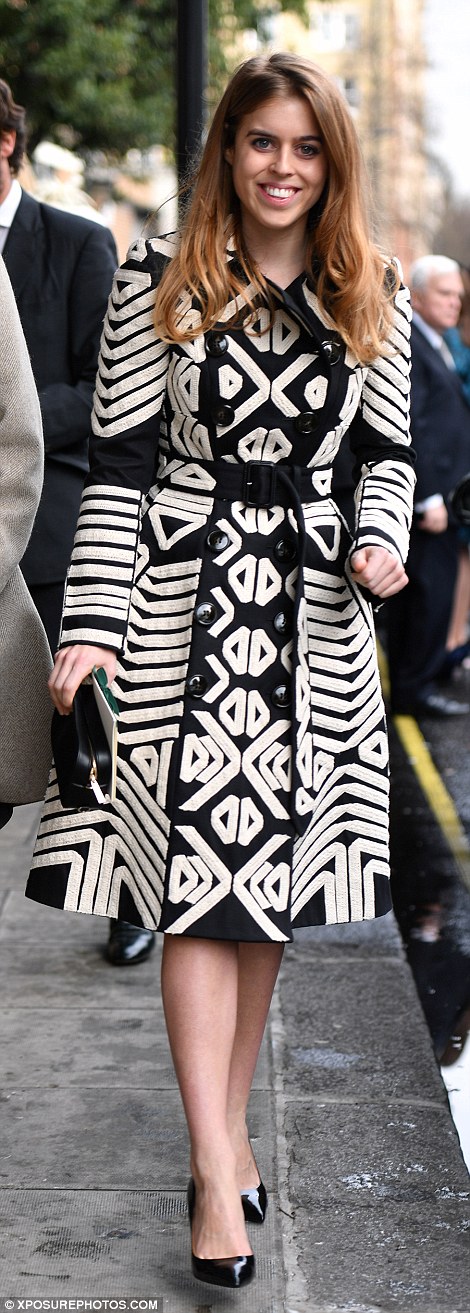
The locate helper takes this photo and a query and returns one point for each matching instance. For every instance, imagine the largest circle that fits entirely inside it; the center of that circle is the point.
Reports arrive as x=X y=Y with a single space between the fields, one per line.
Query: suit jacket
x=440 y=420
x=25 y=660
x=61 y=268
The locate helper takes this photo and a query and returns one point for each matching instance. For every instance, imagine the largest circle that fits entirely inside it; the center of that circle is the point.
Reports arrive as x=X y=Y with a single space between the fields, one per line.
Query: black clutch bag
x=82 y=755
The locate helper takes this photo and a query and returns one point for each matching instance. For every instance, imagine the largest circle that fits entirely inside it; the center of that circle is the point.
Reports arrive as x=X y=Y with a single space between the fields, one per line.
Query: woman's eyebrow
x=260 y=132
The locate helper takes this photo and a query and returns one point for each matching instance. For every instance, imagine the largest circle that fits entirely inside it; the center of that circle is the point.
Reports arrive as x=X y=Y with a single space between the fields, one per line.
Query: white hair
x=430 y=266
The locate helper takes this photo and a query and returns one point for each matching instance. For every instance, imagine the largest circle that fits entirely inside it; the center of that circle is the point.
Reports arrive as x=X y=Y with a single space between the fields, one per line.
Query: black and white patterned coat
x=244 y=645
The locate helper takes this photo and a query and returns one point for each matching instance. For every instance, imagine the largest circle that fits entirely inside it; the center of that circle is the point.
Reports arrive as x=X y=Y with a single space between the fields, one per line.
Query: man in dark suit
x=418 y=618
x=61 y=267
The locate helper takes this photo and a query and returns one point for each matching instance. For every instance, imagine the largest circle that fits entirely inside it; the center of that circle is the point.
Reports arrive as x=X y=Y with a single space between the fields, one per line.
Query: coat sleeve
x=380 y=442
x=21 y=447
x=66 y=406
x=129 y=395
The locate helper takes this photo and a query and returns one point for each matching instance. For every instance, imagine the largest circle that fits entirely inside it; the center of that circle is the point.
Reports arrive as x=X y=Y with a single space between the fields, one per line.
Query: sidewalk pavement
x=369 y=1195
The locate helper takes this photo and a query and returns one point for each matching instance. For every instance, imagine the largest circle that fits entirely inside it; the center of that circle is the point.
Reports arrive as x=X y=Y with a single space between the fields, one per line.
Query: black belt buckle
x=257 y=496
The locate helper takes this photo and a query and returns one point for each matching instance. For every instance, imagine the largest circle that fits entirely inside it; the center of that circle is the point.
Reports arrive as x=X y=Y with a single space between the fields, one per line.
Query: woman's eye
x=261 y=143
x=309 y=150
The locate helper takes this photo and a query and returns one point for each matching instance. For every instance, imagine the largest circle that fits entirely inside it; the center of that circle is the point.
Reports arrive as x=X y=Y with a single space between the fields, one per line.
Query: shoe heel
x=255 y=1204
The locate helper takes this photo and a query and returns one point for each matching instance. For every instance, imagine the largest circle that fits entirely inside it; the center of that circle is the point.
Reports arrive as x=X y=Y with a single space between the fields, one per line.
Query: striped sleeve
x=129 y=395
x=380 y=440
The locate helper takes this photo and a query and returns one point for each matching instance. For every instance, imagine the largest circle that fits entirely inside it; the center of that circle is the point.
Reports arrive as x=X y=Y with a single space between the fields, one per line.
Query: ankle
x=246 y=1166
x=213 y=1165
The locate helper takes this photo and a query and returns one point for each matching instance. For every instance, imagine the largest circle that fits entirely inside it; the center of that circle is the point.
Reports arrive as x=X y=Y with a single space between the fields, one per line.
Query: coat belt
x=264 y=484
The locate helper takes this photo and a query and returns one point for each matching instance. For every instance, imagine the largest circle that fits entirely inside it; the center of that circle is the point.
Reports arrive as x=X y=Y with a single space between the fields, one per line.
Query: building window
x=334 y=29
x=352 y=31
x=327 y=24
x=352 y=92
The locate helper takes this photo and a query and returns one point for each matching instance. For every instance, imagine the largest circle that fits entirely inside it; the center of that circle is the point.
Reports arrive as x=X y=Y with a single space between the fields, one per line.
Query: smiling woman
x=215 y=580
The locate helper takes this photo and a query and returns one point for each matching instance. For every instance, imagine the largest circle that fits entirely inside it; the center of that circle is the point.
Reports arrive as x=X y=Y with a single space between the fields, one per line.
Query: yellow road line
x=435 y=792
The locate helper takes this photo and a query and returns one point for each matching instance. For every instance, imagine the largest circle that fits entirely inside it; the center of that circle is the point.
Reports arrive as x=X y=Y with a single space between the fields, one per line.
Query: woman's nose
x=282 y=161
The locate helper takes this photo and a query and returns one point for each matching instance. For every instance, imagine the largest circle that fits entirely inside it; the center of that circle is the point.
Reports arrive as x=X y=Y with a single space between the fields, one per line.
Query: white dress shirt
x=8 y=209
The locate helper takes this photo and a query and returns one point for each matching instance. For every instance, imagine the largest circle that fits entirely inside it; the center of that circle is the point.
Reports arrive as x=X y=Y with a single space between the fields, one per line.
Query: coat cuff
x=102 y=569
x=384 y=508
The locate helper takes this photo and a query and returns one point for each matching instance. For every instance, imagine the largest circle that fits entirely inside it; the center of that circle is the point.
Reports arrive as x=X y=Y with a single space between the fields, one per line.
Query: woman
x=25 y=709
x=244 y=641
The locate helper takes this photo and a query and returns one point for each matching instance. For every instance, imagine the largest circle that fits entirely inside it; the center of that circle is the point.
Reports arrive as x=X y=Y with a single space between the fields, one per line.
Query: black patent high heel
x=255 y=1203
x=232 y=1272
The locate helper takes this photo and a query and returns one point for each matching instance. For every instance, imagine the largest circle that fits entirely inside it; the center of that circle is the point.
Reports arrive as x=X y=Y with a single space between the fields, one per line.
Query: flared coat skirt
x=204 y=837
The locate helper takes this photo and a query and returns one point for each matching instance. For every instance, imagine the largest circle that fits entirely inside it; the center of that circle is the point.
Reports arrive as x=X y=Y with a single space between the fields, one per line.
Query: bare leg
x=258 y=967
x=216 y=997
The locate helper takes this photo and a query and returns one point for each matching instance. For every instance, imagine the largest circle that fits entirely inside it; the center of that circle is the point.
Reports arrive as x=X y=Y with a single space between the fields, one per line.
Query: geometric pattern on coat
x=245 y=647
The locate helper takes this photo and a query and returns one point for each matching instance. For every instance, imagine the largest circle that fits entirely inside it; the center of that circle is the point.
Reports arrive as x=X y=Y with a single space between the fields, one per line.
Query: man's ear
x=7 y=143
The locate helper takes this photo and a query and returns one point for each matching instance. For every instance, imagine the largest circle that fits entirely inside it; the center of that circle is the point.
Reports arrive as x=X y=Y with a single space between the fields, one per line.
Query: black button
x=217 y=541
x=282 y=623
x=216 y=344
x=285 y=550
x=281 y=696
x=223 y=414
x=205 y=613
x=306 y=422
x=196 y=686
x=332 y=351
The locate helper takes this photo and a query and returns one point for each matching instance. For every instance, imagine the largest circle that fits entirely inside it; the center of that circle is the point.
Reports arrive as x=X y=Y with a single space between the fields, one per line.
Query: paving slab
x=63 y=1047
x=73 y=975
x=361 y=1047
x=103 y=1245
x=25 y=921
x=127 y=1139
x=380 y=1205
x=376 y=1192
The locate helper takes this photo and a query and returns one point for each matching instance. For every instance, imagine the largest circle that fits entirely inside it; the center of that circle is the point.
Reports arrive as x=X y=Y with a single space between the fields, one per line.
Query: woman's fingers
x=376 y=569
x=71 y=666
x=394 y=587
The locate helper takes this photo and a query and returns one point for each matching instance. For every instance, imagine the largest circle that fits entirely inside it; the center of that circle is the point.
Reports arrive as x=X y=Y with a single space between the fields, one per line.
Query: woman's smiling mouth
x=278 y=193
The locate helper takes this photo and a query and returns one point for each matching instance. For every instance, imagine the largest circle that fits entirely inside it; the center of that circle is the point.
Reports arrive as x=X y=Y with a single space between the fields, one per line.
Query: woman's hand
x=71 y=666
x=434 y=520
x=379 y=571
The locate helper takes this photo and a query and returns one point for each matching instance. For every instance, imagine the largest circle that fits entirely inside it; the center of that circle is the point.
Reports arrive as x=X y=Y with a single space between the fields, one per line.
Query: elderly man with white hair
x=418 y=618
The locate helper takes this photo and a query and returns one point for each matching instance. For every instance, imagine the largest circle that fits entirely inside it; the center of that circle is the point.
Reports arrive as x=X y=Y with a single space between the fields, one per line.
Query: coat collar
x=301 y=301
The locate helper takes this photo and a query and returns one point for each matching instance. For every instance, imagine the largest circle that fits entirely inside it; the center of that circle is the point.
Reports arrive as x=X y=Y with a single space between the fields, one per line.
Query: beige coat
x=25 y=662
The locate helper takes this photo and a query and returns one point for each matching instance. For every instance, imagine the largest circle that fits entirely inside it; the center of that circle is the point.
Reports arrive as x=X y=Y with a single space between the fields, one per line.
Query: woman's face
x=279 y=166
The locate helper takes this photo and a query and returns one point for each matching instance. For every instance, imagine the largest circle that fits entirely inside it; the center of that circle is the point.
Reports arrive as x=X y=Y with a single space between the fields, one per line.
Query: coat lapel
x=20 y=250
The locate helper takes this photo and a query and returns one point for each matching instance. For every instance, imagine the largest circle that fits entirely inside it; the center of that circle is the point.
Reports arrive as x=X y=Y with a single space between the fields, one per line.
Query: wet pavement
x=432 y=897
x=369 y=1193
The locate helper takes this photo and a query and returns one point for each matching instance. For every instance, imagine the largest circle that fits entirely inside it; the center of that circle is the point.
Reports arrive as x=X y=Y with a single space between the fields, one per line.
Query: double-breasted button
x=196 y=686
x=332 y=351
x=217 y=541
x=281 y=696
x=282 y=623
x=285 y=550
x=223 y=414
x=205 y=613
x=216 y=344
x=306 y=422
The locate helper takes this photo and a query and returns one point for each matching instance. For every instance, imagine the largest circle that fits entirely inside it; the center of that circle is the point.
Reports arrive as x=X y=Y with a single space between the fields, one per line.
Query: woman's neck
x=279 y=255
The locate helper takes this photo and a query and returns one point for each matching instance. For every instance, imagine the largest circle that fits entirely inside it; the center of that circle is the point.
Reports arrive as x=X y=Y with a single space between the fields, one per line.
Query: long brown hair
x=348 y=270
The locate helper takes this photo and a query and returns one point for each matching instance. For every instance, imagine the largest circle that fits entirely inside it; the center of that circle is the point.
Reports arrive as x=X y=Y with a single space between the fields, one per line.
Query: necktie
x=446 y=354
